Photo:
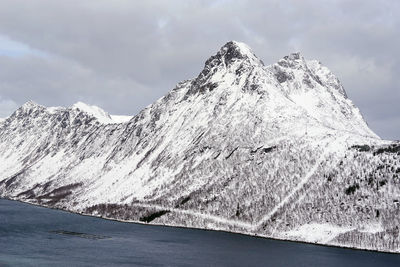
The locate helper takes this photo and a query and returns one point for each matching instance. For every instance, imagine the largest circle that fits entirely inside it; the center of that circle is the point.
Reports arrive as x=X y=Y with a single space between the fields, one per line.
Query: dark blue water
x=34 y=236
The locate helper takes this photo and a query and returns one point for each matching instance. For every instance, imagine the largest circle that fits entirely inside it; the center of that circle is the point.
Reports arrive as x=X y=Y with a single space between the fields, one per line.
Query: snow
x=120 y=118
x=372 y=228
x=313 y=87
x=216 y=219
x=243 y=147
x=29 y=104
x=329 y=146
x=54 y=110
x=246 y=50
x=100 y=114
x=95 y=111
x=315 y=232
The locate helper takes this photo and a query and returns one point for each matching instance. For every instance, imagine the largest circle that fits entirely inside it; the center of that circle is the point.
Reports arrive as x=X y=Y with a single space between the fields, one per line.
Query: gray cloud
x=123 y=55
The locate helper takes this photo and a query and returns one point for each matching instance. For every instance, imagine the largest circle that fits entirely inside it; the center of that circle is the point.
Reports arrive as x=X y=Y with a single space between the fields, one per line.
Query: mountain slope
x=277 y=151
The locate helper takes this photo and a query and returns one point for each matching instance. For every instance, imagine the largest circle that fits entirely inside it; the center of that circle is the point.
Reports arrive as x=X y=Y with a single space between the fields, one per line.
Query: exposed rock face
x=278 y=151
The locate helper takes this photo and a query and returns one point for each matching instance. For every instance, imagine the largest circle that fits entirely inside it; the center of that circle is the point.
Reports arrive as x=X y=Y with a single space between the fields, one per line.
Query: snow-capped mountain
x=276 y=151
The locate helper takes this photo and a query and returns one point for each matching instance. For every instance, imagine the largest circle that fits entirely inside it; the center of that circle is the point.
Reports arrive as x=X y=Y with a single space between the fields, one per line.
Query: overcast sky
x=123 y=55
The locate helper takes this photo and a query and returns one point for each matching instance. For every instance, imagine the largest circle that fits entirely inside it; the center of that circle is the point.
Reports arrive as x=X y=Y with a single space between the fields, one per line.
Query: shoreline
x=202 y=229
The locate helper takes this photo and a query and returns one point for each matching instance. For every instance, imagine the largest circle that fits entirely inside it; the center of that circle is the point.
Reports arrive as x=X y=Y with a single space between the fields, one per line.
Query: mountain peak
x=231 y=54
x=29 y=104
x=293 y=60
x=233 y=51
x=295 y=69
x=29 y=107
x=293 y=56
x=233 y=58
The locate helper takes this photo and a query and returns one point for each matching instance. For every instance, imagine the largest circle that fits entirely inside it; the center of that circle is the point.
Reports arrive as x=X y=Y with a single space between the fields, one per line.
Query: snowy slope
x=100 y=114
x=277 y=151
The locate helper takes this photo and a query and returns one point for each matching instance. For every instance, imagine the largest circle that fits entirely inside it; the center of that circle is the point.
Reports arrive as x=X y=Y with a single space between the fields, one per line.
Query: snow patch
x=246 y=50
x=54 y=110
x=316 y=232
x=95 y=111
x=121 y=118
x=100 y=114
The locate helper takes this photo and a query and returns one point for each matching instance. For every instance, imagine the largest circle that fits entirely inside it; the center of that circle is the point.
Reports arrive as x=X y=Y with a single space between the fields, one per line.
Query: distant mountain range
x=276 y=151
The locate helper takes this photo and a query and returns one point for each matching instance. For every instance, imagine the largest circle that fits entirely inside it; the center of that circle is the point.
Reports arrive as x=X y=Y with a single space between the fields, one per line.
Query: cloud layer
x=122 y=55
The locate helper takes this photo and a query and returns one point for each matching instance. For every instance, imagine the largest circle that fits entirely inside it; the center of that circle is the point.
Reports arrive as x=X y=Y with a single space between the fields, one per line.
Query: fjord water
x=36 y=236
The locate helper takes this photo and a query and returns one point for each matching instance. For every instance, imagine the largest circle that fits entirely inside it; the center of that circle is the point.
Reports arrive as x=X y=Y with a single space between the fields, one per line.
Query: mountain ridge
x=267 y=150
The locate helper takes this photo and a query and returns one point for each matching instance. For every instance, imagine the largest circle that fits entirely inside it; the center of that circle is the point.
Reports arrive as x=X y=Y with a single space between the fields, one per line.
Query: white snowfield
x=275 y=151
x=316 y=233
